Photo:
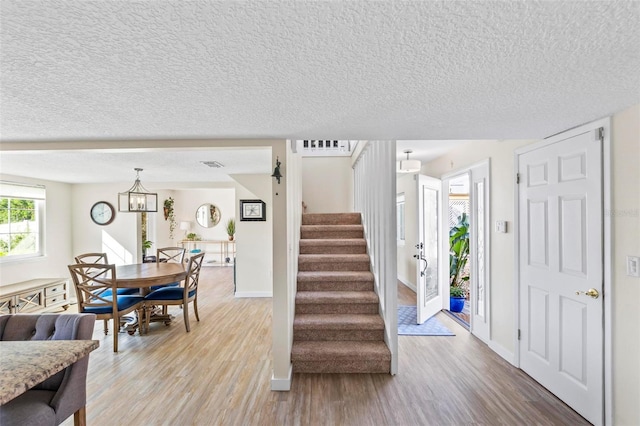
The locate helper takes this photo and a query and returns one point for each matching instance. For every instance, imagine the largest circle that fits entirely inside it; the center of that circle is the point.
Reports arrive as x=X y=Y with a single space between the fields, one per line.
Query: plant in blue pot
x=458 y=258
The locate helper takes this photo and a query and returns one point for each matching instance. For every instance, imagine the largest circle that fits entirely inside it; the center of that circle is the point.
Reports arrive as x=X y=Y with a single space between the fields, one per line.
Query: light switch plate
x=501 y=226
x=633 y=266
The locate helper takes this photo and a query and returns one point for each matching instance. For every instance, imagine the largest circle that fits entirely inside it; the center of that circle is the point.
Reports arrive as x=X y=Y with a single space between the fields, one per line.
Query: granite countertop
x=24 y=364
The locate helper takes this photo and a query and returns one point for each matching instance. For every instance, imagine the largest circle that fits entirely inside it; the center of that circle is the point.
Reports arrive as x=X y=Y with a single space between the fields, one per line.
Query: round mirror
x=208 y=215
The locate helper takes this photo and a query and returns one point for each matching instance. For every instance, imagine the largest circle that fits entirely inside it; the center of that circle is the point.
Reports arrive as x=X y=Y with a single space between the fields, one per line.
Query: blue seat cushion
x=158 y=287
x=168 y=293
x=122 y=291
x=124 y=302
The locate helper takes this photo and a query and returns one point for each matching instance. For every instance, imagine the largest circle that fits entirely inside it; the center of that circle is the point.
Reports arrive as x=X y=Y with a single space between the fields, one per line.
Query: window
x=400 y=218
x=21 y=220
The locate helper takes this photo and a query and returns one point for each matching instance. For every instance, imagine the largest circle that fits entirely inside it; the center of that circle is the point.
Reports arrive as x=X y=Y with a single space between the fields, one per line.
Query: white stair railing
x=375 y=198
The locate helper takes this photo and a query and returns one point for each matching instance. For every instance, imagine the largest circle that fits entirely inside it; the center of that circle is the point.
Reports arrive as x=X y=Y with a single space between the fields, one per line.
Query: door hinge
x=517 y=177
x=518 y=334
x=599 y=134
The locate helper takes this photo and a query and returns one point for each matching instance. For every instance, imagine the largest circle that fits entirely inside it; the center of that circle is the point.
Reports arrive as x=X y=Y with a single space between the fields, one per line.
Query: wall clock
x=252 y=210
x=102 y=213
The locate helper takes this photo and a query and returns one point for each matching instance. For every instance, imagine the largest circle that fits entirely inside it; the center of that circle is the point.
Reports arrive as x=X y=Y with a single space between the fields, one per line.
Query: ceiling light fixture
x=409 y=166
x=137 y=199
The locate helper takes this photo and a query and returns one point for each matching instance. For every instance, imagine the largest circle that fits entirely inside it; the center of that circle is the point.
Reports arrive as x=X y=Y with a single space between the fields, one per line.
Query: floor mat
x=407 y=317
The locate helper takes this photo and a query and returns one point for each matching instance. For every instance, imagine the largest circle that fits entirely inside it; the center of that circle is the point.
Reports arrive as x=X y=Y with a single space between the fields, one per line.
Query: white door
x=480 y=231
x=429 y=288
x=561 y=268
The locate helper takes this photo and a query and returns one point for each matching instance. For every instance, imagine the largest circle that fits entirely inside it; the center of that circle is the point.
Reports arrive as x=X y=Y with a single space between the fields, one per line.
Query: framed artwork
x=253 y=210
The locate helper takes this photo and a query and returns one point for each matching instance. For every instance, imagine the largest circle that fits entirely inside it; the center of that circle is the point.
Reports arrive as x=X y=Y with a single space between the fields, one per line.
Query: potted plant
x=146 y=245
x=458 y=258
x=192 y=236
x=169 y=215
x=231 y=228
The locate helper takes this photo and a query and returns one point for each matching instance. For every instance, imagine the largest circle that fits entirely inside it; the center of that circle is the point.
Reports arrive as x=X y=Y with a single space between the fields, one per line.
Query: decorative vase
x=166 y=213
x=456 y=304
x=230 y=237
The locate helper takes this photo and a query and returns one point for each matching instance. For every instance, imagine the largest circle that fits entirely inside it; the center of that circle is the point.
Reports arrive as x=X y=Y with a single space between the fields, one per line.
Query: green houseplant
x=458 y=258
x=146 y=245
x=170 y=215
x=231 y=228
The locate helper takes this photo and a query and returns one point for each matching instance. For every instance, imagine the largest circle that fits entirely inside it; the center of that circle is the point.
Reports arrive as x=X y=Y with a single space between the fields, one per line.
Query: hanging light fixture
x=137 y=199
x=409 y=166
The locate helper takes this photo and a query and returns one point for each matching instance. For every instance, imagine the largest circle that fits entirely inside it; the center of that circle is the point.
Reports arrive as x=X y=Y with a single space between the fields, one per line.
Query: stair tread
x=340 y=297
x=338 y=322
x=339 y=350
x=309 y=218
x=333 y=241
x=333 y=227
x=335 y=275
x=323 y=257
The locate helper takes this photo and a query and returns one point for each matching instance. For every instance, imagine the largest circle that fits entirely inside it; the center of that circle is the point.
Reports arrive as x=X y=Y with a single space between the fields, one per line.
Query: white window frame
x=37 y=193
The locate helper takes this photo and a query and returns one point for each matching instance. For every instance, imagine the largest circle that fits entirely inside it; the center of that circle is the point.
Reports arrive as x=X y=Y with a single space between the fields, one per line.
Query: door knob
x=592 y=292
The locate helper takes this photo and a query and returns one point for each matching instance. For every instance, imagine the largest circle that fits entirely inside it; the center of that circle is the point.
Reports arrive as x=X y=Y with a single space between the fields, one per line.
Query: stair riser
x=331 y=219
x=332 y=266
x=337 y=308
x=331 y=234
x=355 y=249
x=350 y=366
x=327 y=335
x=335 y=286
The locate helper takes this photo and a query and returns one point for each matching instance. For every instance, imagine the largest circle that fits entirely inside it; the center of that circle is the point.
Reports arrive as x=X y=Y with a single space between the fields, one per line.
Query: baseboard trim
x=241 y=294
x=503 y=352
x=282 y=385
x=408 y=284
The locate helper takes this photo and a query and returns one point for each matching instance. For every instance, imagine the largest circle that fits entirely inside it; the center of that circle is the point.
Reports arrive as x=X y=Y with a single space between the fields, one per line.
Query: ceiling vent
x=213 y=164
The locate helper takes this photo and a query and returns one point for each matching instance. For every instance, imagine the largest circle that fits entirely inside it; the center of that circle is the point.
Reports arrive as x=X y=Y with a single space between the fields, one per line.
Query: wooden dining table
x=144 y=276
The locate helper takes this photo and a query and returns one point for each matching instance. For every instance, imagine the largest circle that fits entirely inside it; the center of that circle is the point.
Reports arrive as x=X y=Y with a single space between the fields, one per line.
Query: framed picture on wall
x=253 y=210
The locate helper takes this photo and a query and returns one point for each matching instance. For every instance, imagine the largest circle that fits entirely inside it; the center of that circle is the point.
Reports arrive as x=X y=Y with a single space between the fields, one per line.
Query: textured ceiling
x=166 y=168
x=79 y=70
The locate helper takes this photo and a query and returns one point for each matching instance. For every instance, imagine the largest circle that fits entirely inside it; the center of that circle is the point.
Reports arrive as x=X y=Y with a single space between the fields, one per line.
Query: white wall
x=327 y=184
x=119 y=239
x=254 y=252
x=58 y=244
x=625 y=217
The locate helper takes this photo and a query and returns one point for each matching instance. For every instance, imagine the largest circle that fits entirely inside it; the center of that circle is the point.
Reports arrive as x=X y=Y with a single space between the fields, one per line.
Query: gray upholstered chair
x=61 y=395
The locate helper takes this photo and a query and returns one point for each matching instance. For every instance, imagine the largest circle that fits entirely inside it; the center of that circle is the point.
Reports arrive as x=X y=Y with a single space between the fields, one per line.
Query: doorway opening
x=458 y=217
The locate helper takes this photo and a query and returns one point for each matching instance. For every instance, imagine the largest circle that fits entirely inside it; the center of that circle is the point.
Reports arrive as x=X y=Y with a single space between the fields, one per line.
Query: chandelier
x=137 y=199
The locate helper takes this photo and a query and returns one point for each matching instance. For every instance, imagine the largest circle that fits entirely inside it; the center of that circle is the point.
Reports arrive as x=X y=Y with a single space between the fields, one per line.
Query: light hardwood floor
x=219 y=374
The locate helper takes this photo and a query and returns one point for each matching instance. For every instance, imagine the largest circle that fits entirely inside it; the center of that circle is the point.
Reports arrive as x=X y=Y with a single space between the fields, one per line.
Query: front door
x=561 y=267
x=429 y=288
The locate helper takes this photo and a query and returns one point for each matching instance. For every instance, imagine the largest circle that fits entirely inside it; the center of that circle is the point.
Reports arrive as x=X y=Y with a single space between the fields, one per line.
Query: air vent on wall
x=214 y=164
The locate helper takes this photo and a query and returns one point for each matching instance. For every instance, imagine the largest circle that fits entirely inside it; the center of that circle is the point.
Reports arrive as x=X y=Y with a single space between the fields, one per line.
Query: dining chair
x=104 y=260
x=170 y=254
x=181 y=295
x=95 y=286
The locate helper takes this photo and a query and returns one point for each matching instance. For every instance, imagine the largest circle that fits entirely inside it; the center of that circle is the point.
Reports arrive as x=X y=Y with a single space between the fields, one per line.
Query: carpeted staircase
x=337 y=327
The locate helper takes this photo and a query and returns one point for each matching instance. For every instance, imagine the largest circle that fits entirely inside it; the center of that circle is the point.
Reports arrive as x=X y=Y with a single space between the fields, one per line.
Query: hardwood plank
x=220 y=372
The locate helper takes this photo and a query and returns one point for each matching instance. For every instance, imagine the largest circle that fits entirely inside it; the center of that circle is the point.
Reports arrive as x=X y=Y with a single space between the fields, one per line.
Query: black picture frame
x=253 y=211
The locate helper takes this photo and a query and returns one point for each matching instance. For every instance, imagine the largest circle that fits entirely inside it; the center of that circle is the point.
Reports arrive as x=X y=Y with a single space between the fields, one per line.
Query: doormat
x=407 y=317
